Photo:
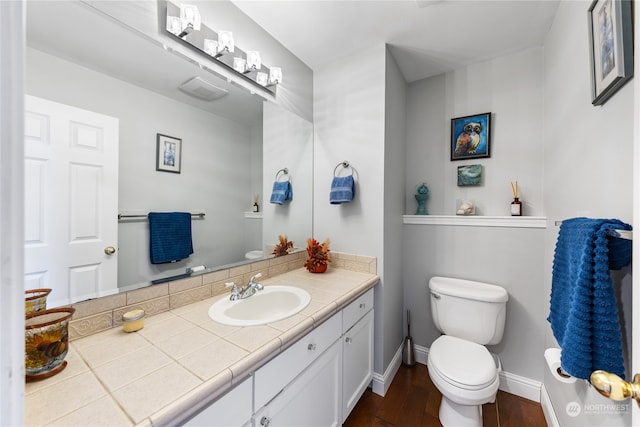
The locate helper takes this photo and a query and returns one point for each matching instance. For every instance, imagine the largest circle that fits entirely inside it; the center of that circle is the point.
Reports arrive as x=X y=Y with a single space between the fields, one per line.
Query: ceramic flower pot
x=35 y=300
x=319 y=268
x=46 y=342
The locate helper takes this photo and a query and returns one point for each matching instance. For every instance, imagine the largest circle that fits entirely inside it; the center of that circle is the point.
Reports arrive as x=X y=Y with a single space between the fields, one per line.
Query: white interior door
x=71 y=201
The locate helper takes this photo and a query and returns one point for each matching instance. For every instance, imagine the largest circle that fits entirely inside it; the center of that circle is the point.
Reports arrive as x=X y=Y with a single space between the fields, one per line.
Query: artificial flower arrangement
x=318 y=255
x=283 y=247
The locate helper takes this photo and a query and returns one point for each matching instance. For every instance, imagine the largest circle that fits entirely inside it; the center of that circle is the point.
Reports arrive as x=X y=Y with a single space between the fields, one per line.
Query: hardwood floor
x=413 y=401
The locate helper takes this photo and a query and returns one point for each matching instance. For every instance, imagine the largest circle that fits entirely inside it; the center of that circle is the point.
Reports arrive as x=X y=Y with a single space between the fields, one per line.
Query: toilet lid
x=463 y=363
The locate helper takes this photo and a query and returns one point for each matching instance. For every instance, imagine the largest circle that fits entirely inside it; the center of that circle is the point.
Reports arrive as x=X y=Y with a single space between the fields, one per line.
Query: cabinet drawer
x=275 y=375
x=358 y=308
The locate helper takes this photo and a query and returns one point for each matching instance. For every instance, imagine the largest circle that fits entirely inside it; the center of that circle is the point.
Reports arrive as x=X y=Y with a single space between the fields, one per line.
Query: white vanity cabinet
x=357 y=351
x=313 y=399
x=315 y=382
x=232 y=409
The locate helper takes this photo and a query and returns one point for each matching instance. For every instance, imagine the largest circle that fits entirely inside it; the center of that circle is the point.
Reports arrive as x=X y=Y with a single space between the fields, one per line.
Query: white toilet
x=470 y=315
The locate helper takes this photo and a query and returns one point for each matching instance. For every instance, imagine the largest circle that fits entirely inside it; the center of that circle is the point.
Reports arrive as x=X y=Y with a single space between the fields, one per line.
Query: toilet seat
x=462 y=363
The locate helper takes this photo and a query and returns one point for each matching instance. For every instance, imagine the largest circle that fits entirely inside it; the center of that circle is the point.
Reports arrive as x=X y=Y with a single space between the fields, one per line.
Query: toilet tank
x=473 y=311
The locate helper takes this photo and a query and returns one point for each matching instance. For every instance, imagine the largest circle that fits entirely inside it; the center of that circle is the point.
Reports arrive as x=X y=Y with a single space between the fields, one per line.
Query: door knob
x=615 y=388
x=109 y=250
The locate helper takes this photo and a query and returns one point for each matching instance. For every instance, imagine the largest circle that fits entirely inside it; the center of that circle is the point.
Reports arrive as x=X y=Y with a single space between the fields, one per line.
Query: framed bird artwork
x=470 y=137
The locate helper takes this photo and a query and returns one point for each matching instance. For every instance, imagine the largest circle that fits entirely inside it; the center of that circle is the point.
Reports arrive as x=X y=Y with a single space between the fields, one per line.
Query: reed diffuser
x=516 y=205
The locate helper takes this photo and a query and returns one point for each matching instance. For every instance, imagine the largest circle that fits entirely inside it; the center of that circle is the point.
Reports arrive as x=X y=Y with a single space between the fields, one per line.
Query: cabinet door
x=357 y=368
x=314 y=398
x=231 y=410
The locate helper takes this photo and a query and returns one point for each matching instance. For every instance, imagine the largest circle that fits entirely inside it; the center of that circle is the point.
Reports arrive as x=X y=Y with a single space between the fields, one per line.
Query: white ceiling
x=426 y=37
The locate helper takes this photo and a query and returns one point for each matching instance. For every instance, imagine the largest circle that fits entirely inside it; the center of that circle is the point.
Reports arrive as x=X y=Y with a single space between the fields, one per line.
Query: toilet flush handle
x=435 y=296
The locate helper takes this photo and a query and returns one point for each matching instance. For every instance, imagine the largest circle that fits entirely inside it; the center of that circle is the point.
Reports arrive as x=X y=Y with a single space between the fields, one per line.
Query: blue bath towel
x=282 y=191
x=343 y=189
x=583 y=308
x=169 y=236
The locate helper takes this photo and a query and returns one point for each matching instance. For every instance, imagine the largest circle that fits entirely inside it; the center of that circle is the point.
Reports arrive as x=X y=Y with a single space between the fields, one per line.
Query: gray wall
x=511 y=88
x=394 y=160
x=212 y=148
x=588 y=170
x=349 y=124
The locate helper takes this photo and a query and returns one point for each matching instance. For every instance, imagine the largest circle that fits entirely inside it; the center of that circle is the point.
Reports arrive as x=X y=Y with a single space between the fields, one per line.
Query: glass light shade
x=190 y=17
x=262 y=78
x=239 y=64
x=211 y=47
x=253 y=60
x=225 y=41
x=275 y=75
x=174 y=25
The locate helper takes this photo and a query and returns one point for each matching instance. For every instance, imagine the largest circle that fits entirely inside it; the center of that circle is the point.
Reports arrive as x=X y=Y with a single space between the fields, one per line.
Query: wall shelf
x=477 y=221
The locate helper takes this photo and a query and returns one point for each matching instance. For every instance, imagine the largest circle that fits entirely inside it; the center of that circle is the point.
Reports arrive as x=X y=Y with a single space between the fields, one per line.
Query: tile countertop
x=181 y=358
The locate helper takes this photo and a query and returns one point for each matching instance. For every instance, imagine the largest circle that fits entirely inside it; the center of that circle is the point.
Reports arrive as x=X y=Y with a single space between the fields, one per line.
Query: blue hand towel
x=282 y=191
x=343 y=189
x=583 y=308
x=169 y=236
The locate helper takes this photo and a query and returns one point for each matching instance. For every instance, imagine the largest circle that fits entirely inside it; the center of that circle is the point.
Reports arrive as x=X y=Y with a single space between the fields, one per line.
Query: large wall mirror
x=231 y=148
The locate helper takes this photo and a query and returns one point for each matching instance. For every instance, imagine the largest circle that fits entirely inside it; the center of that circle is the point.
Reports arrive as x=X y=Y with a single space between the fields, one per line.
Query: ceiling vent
x=202 y=89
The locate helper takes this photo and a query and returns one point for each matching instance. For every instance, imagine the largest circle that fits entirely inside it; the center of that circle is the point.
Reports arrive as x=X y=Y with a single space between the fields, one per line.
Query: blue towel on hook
x=343 y=189
x=583 y=308
x=169 y=236
x=282 y=191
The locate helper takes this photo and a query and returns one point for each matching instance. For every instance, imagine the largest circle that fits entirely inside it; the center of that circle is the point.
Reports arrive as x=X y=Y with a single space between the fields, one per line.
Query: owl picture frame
x=470 y=137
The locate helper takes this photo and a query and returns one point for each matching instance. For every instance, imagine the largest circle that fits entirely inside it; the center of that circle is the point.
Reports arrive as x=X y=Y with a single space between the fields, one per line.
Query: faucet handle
x=235 y=292
x=256 y=286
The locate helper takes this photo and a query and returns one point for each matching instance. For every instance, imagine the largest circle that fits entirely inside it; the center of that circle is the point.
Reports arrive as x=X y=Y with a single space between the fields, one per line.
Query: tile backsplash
x=104 y=313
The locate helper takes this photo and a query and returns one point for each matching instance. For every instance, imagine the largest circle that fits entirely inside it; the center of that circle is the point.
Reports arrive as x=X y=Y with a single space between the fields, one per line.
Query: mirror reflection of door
x=71 y=201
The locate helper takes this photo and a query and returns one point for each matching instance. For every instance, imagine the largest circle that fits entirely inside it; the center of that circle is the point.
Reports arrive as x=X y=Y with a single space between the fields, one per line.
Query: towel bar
x=345 y=164
x=283 y=170
x=622 y=234
x=121 y=216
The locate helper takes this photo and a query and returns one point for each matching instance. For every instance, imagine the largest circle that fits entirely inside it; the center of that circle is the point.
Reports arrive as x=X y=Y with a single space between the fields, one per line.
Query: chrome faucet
x=246 y=291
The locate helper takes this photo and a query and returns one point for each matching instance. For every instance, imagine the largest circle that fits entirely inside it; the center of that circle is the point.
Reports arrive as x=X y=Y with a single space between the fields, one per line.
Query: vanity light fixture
x=185 y=19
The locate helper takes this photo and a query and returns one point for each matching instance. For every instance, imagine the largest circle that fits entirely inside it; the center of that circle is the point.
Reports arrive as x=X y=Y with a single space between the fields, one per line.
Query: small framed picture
x=469 y=175
x=470 y=137
x=168 y=153
x=611 y=47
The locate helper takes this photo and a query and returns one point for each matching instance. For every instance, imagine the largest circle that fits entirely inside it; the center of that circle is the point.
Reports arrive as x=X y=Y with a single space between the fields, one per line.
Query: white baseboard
x=520 y=386
x=547 y=408
x=381 y=383
x=510 y=383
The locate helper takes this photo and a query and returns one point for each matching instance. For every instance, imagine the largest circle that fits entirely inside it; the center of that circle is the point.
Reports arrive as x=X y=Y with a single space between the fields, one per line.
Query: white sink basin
x=271 y=304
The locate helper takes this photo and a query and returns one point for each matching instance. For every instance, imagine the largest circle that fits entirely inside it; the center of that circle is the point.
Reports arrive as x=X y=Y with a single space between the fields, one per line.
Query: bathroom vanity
x=182 y=367
x=316 y=381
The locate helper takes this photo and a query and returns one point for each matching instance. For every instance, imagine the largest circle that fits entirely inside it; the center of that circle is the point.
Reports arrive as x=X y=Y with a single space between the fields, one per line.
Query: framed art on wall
x=610 y=47
x=168 y=153
x=470 y=137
